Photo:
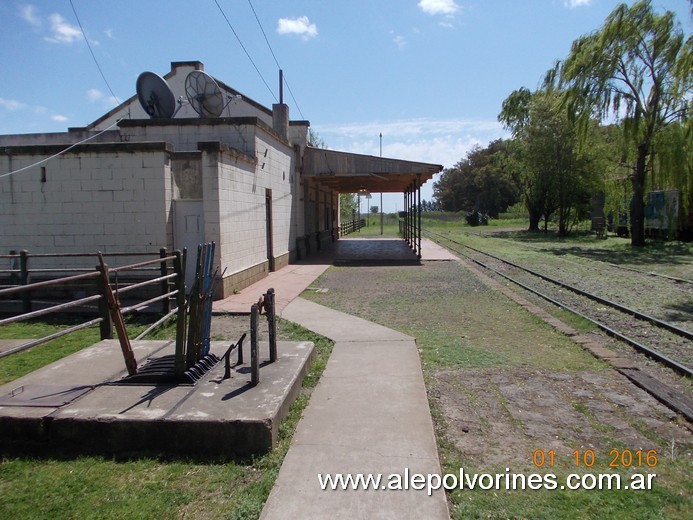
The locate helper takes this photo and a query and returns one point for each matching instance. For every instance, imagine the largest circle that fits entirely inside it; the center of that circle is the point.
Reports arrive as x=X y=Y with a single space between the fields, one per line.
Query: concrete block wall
x=234 y=188
x=103 y=197
x=278 y=170
x=184 y=136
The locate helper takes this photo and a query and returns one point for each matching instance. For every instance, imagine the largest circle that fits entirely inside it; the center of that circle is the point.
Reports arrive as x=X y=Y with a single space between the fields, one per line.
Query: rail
x=169 y=280
x=22 y=270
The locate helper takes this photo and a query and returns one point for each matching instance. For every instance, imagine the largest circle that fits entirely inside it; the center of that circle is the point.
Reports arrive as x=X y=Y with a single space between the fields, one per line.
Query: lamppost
x=381 y=193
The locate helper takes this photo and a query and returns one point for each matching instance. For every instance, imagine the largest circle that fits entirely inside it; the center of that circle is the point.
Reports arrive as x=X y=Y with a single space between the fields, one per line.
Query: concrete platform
x=290 y=281
x=373 y=252
x=76 y=405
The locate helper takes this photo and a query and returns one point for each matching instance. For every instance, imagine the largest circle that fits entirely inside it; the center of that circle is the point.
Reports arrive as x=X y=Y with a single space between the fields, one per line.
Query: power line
x=92 y=53
x=275 y=58
x=244 y=49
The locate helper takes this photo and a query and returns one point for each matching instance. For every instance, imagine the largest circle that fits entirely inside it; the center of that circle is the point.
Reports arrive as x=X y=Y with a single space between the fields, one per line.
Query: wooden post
x=128 y=354
x=254 y=361
x=272 y=324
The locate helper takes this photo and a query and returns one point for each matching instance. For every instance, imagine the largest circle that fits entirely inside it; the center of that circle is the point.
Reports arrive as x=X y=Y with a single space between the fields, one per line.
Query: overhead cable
x=42 y=161
x=92 y=53
x=275 y=58
x=244 y=49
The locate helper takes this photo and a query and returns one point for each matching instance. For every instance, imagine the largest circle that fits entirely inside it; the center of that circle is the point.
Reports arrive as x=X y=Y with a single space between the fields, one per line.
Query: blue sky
x=430 y=75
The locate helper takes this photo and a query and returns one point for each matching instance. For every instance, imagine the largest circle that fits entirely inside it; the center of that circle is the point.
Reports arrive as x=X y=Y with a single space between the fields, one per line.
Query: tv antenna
x=204 y=94
x=155 y=96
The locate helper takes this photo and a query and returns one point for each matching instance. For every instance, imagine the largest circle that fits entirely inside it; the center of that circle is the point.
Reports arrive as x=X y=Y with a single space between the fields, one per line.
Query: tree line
x=564 y=157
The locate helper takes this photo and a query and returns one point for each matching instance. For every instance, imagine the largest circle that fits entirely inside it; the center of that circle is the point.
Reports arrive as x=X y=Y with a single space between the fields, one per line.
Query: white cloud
x=59 y=118
x=300 y=26
x=576 y=3
x=435 y=141
x=28 y=14
x=94 y=95
x=400 y=41
x=11 y=104
x=62 y=31
x=438 y=141
x=434 y=7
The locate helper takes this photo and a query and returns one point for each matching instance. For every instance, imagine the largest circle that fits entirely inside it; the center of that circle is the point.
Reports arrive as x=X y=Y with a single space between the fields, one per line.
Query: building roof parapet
x=112 y=147
x=219 y=147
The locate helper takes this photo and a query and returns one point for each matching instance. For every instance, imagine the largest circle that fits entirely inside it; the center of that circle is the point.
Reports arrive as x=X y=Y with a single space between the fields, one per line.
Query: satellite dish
x=204 y=94
x=155 y=96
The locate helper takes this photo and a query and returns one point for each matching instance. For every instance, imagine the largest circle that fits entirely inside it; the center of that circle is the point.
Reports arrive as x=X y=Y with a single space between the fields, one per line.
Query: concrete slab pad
x=373 y=251
x=215 y=417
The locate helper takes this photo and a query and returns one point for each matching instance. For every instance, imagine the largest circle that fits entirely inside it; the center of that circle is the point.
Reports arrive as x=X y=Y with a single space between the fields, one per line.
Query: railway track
x=637 y=329
x=649 y=274
x=673 y=342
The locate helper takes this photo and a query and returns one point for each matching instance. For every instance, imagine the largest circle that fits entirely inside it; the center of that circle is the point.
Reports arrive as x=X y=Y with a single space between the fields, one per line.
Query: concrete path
x=368 y=415
x=288 y=282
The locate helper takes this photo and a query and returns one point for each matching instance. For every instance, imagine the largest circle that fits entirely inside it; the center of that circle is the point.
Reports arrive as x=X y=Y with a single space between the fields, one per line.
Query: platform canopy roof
x=350 y=173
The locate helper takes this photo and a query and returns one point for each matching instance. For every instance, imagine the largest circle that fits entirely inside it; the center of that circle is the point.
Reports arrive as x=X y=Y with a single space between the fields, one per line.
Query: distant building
x=246 y=179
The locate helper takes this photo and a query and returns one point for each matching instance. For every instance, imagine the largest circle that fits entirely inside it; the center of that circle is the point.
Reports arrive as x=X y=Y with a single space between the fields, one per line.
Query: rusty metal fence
x=165 y=274
x=27 y=268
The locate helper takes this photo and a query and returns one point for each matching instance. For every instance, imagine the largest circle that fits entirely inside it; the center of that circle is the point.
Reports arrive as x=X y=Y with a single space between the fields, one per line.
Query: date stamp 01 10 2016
x=587 y=458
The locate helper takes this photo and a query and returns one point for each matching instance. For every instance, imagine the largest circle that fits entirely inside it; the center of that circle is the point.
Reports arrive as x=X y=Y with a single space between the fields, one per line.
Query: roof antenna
x=281 y=87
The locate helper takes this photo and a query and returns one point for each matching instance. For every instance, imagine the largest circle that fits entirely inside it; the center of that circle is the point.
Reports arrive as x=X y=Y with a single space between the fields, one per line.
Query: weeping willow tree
x=638 y=69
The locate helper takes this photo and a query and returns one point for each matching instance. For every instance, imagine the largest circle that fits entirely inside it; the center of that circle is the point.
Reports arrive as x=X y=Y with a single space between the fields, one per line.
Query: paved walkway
x=368 y=415
x=369 y=412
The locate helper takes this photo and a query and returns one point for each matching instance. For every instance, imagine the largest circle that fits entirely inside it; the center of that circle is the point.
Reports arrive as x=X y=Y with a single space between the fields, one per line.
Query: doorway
x=188 y=232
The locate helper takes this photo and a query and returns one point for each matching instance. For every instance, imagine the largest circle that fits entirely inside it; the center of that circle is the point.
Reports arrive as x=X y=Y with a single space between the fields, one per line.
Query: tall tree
x=637 y=68
x=481 y=181
x=348 y=207
x=556 y=176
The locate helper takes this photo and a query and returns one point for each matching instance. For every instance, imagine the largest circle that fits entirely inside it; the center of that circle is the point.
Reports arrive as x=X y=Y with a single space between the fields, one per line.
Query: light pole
x=381 y=193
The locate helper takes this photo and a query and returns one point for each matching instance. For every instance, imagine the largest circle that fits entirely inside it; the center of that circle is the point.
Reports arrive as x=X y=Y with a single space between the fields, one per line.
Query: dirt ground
x=498 y=418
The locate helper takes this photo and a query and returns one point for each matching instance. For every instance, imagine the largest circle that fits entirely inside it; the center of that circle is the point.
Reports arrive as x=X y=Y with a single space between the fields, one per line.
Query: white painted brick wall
x=96 y=201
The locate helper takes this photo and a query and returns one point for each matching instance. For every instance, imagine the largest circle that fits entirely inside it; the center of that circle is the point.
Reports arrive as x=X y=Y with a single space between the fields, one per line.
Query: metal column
x=418 y=212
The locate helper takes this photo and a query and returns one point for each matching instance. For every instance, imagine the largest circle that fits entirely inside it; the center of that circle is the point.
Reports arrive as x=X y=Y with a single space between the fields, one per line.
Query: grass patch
x=659 y=502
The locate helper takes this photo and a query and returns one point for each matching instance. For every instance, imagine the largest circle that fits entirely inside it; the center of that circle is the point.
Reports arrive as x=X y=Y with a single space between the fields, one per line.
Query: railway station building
x=241 y=175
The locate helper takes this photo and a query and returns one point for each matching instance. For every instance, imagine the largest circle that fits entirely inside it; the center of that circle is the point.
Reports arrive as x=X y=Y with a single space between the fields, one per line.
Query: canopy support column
x=418 y=216
x=411 y=228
